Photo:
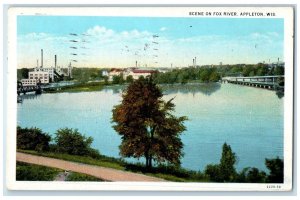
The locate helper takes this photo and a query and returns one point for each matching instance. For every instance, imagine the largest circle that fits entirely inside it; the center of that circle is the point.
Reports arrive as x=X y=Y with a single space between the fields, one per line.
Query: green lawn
x=74 y=176
x=31 y=172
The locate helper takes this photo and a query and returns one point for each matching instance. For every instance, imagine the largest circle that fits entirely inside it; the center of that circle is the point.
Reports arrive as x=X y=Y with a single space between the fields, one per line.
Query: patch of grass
x=31 y=172
x=74 y=176
x=80 y=87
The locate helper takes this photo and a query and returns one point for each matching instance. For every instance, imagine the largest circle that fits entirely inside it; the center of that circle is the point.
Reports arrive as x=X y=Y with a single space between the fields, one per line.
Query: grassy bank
x=80 y=87
x=166 y=172
x=32 y=172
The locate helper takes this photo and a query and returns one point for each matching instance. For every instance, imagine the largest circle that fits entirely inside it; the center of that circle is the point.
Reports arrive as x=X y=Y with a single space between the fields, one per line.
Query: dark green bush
x=32 y=139
x=72 y=142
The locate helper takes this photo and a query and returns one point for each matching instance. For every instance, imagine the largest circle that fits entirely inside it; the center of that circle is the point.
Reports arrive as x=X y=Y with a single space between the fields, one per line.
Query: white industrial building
x=40 y=76
x=29 y=82
x=134 y=72
x=50 y=71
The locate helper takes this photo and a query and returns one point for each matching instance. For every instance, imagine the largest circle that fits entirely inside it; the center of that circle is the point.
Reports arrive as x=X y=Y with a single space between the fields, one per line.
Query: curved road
x=104 y=173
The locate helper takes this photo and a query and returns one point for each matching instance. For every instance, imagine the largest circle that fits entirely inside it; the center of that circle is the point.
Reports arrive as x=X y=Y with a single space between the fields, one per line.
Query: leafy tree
x=118 y=79
x=213 y=172
x=106 y=80
x=225 y=171
x=204 y=75
x=129 y=79
x=24 y=72
x=72 y=142
x=279 y=70
x=276 y=170
x=247 y=70
x=227 y=162
x=262 y=70
x=214 y=76
x=32 y=139
x=251 y=175
x=147 y=126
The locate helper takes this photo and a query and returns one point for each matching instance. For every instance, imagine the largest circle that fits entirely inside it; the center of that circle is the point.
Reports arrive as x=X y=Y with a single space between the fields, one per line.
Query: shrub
x=72 y=142
x=32 y=139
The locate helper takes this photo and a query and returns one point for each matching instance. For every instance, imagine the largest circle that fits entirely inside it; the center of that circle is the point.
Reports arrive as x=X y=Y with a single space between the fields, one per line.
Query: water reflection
x=29 y=96
x=204 y=88
x=280 y=93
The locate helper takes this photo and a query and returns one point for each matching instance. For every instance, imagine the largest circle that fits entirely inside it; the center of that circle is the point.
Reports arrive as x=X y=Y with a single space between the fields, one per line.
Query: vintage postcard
x=150 y=98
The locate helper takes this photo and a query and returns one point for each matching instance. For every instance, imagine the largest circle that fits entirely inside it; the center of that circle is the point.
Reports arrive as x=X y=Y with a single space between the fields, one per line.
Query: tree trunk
x=150 y=161
x=151 y=141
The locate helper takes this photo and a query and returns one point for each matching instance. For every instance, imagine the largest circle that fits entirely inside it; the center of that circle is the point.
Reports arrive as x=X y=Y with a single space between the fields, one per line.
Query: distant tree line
x=259 y=69
x=213 y=74
x=184 y=75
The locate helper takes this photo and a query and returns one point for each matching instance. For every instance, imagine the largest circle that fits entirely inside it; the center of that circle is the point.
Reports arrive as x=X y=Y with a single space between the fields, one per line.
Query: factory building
x=40 y=76
x=29 y=82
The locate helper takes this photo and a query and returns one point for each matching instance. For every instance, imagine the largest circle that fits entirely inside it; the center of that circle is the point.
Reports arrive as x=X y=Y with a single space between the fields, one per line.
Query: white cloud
x=100 y=31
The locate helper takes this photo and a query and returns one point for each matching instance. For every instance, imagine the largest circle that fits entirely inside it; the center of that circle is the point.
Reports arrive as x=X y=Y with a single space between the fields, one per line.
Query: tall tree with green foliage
x=225 y=170
x=276 y=170
x=227 y=162
x=147 y=126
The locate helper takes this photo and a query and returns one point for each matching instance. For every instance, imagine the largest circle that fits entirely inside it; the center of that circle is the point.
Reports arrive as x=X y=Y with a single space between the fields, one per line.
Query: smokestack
x=41 y=57
x=136 y=64
x=195 y=61
x=55 y=61
x=37 y=63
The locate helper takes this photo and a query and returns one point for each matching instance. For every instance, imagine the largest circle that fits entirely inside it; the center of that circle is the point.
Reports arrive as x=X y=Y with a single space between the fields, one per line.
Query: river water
x=249 y=119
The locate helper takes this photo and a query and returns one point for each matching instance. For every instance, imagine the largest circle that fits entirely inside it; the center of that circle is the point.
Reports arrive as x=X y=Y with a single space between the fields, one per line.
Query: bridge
x=266 y=82
x=30 y=88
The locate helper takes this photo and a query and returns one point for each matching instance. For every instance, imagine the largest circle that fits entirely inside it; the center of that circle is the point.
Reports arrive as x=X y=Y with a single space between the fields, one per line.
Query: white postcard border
x=12 y=184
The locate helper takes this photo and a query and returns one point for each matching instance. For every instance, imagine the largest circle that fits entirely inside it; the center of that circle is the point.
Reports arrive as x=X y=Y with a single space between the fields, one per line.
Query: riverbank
x=98 y=86
x=79 y=87
x=163 y=172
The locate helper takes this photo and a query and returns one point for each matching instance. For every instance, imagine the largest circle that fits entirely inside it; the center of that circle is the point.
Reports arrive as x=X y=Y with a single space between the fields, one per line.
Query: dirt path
x=96 y=171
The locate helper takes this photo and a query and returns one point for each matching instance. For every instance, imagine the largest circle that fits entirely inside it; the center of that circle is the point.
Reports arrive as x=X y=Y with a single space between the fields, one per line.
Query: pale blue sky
x=120 y=41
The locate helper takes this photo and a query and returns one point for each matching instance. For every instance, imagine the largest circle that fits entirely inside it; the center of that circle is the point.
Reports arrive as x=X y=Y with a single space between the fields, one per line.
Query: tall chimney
x=195 y=61
x=136 y=64
x=37 y=63
x=41 y=57
x=55 y=61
